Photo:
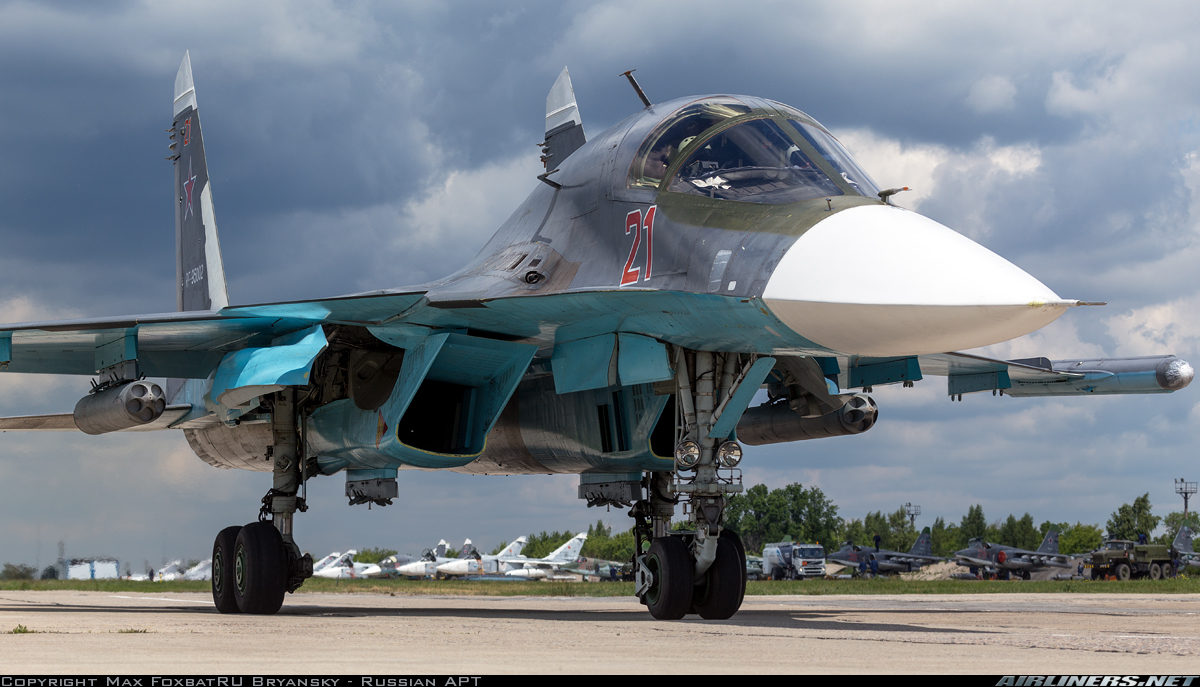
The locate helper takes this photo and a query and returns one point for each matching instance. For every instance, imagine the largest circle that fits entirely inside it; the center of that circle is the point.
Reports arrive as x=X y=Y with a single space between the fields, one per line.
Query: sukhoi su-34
x=617 y=326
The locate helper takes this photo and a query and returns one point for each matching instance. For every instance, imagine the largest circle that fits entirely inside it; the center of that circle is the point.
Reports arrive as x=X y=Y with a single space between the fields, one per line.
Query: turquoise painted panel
x=641 y=360
x=382 y=473
x=902 y=370
x=741 y=398
x=284 y=365
x=986 y=381
x=584 y=364
x=5 y=347
x=349 y=437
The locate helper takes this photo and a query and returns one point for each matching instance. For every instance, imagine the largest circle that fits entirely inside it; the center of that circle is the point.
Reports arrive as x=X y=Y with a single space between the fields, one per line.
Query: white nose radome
x=883 y=281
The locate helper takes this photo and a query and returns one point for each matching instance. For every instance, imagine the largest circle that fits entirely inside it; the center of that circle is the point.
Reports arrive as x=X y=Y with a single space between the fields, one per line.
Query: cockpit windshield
x=756 y=162
x=837 y=155
x=675 y=133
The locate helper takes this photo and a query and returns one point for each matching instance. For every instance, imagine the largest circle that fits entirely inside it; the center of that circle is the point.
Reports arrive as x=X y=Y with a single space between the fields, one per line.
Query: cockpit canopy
x=751 y=151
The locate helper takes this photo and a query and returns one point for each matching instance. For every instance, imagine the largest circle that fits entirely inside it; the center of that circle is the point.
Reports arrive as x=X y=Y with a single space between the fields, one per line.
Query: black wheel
x=222 y=570
x=1155 y=571
x=734 y=539
x=777 y=573
x=719 y=596
x=1123 y=572
x=1025 y=575
x=259 y=569
x=1167 y=570
x=1096 y=574
x=670 y=592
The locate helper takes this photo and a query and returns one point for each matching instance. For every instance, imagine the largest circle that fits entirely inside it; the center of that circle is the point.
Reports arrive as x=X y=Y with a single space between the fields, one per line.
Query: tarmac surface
x=173 y=633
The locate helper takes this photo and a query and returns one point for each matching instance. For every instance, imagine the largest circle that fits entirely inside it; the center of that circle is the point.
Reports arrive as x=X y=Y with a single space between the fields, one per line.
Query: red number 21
x=634 y=225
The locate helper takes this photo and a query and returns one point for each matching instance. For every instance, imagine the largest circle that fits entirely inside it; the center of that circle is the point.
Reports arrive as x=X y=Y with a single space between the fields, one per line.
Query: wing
x=185 y=345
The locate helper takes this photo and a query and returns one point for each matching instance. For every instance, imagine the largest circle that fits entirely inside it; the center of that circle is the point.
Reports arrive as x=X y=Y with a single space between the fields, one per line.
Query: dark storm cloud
x=358 y=145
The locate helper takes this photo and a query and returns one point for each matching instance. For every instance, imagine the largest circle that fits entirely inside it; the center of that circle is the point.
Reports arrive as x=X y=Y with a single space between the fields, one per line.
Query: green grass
x=132 y=631
x=617 y=589
x=22 y=630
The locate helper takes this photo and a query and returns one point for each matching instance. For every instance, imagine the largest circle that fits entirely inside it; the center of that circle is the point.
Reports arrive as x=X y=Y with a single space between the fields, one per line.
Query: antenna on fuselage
x=633 y=82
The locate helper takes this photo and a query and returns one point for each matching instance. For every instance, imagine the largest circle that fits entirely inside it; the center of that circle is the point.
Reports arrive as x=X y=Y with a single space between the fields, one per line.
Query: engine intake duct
x=120 y=407
x=776 y=423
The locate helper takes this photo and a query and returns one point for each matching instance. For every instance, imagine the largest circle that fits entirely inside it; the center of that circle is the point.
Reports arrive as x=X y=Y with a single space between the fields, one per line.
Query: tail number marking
x=193 y=276
x=635 y=224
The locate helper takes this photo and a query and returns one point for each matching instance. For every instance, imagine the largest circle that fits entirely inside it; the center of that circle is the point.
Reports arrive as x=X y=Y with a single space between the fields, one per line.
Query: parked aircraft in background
x=1002 y=561
x=659 y=274
x=343 y=567
x=484 y=564
x=432 y=558
x=542 y=568
x=921 y=553
x=200 y=571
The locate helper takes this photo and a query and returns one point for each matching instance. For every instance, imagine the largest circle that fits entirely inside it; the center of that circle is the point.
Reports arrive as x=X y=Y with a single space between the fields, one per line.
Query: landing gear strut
x=700 y=570
x=253 y=566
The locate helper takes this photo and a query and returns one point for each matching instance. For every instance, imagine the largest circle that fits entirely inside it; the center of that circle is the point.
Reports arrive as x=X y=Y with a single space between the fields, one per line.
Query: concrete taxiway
x=318 y=633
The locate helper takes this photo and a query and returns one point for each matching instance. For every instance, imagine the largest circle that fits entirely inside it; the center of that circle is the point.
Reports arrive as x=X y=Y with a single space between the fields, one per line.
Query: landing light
x=729 y=454
x=687 y=454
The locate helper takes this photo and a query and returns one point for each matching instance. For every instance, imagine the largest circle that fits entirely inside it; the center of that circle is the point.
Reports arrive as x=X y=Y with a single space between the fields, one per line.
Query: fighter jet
x=474 y=563
x=548 y=566
x=1183 y=547
x=617 y=326
x=432 y=558
x=919 y=555
x=344 y=568
x=998 y=560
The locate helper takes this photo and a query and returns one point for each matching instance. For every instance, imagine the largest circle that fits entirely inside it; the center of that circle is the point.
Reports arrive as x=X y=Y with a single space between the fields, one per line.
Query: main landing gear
x=253 y=566
x=700 y=570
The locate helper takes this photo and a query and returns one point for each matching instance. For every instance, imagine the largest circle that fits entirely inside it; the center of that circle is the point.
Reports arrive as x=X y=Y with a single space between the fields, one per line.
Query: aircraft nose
x=883 y=281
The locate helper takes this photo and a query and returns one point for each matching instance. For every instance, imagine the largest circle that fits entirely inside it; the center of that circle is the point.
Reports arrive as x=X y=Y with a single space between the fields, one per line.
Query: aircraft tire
x=260 y=569
x=734 y=539
x=1026 y=575
x=721 y=594
x=222 y=570
x=670 y=594
x=1123 y=572
x=1155 y=571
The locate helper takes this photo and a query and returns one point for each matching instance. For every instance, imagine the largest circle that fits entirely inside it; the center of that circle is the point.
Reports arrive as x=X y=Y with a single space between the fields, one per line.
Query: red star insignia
x=187 y=187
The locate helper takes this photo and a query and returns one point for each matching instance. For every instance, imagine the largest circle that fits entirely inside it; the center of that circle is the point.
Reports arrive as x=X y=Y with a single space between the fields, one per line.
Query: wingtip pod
x=185 y=89
x=1174 y=374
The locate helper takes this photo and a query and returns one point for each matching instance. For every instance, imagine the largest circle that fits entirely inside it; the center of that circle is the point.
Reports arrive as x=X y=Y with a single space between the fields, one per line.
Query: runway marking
x=153 y=598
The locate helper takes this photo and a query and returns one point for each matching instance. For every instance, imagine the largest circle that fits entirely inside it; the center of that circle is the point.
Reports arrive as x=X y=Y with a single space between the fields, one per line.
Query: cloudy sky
x=357 y=145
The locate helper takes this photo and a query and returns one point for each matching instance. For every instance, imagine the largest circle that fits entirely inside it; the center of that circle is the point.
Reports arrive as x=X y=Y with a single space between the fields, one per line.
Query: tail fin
x=468 y=549
x=1050 y=543
x=924 y=544
x=569 y=551
x=1183 y=540
x=514 y=549
x=440 y=549
x=199 y=270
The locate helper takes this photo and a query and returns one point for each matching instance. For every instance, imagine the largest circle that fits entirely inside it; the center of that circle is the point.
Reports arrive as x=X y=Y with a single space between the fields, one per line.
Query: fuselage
x=723 y=223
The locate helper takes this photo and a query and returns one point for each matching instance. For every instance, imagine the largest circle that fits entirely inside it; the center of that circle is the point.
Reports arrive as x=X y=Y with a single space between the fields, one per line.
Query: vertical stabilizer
x=514 y=549
x=923 y=545
x=564 y=128
x=568 y=552
x=1050 y=543
x=1183 y=540
x=200 y=272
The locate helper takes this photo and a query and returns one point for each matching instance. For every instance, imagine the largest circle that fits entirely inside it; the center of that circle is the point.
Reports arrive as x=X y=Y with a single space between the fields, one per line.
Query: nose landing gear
x=701 y=570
